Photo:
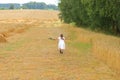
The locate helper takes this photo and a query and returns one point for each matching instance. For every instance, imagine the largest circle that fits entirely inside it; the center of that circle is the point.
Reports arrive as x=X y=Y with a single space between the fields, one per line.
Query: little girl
x=61 y=43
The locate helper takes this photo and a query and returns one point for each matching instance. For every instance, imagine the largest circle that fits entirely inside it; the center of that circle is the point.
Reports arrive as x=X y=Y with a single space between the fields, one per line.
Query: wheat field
x=104 y=47
x=26 y=53
x=16 y=21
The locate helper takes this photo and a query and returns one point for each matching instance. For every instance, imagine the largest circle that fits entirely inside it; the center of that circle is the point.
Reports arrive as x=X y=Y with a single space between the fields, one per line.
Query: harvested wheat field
x=28 y=53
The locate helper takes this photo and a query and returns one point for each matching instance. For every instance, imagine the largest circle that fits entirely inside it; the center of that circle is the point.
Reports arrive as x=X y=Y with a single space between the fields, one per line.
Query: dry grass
x=17 y=21
x=104 y=47
x=2 y=39
x=27 y=57
x=107 y=49
x=28 y=14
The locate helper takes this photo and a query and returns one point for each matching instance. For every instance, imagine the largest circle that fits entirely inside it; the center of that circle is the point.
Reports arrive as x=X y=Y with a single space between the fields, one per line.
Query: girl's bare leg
x=61 y=51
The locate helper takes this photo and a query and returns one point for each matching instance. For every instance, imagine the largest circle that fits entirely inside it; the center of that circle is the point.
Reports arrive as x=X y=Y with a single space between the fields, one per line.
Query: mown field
x=16 y=21
x=27 y=53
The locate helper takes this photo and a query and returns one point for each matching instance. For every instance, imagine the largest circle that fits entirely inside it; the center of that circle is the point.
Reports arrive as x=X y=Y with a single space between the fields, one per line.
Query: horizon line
x=27 y=2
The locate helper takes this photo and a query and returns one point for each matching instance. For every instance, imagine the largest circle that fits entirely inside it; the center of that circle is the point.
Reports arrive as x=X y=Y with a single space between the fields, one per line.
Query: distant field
x=28 y=14
x=14 y=18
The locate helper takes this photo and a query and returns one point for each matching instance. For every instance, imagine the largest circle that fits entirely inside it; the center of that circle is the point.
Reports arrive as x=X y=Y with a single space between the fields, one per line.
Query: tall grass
x=108 y=50
x=82 y=47
x=105 y=48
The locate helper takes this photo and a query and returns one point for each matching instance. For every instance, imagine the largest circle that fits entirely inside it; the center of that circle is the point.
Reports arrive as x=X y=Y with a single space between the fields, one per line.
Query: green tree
x=97 y=14
x=11 y=6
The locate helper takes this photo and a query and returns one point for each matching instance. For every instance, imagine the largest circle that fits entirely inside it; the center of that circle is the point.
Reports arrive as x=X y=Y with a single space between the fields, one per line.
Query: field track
x=31 y=55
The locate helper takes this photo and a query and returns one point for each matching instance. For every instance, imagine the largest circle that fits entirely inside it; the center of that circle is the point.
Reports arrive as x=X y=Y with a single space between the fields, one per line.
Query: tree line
x=9 y=6
x=99 y=15
x=39 y=5
x=29 y=5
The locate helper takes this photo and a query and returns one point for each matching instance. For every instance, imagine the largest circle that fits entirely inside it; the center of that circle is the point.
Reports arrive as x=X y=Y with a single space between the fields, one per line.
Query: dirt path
x=32 y=56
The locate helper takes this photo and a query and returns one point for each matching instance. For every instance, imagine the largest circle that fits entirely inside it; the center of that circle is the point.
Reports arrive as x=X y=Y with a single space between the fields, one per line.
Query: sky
x=25 y=1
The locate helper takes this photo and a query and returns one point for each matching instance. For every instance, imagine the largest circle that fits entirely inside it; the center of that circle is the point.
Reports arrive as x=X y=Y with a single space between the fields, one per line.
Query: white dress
x=61 y=43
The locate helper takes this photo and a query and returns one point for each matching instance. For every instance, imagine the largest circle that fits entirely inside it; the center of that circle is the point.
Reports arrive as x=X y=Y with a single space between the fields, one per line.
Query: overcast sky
x=25 y=1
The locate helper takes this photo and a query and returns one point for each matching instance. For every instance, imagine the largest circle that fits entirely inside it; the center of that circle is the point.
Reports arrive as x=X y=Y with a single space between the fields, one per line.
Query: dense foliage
x=101 y=15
